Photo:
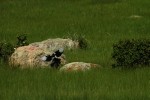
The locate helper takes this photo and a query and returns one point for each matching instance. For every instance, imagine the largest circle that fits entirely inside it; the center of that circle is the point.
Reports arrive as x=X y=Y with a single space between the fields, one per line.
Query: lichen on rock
x=30 y=56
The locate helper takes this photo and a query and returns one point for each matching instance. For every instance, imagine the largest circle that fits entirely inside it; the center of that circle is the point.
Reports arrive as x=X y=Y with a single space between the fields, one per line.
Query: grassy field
x=102 y=22
x=41 y=84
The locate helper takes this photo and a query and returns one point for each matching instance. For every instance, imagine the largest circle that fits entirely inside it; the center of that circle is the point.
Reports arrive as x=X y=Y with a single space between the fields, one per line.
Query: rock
x=55 y=44
x=30 y=56
x=78 y=66
x=135 y=17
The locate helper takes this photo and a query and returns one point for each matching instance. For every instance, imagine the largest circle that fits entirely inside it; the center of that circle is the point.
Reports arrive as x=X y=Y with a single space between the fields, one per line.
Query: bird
x=56 y=54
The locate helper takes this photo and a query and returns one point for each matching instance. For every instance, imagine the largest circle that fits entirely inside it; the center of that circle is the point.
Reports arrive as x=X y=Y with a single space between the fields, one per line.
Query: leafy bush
x=6 y=49
x=22 y=40
x=130 y=53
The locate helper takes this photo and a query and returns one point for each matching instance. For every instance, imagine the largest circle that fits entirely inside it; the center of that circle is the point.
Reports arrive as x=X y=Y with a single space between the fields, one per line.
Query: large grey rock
x=55 y=44
x=78 y=66
x=30 y=56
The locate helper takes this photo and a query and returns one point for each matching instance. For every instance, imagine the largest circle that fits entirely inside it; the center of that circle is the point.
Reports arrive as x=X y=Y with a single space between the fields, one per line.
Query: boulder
x=78 y=66
x=55 y=44
x=30 y=56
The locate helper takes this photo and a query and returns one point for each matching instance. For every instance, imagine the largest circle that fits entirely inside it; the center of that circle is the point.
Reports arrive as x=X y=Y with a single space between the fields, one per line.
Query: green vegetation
x=83 y=42
x=131 y=53
x=48 y=84
x=102 y=22
x=22 y=40
x=6 y=49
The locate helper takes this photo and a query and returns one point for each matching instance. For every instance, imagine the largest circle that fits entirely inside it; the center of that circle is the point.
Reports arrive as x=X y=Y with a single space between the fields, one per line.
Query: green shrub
x=6 y=49
x=130 y=53
x=22 y=40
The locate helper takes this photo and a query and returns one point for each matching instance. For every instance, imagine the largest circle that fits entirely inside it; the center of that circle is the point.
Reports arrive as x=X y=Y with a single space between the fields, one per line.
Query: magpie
x=54 y=58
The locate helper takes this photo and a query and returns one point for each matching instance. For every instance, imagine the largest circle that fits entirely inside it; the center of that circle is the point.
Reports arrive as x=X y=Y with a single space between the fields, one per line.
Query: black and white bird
x=54 y=58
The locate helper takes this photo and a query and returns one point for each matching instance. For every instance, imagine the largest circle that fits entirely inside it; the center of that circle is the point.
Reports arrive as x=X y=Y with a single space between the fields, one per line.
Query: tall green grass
x=103 y=22
x=48 y=84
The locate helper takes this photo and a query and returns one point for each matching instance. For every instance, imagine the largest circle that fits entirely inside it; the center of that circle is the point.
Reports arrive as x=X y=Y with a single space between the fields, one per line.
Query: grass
x=102 y=22
x=106 y=84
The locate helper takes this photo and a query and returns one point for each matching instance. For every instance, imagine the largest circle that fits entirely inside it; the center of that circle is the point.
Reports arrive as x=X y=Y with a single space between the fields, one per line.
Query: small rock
x=135 y=16
x=78 y=66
